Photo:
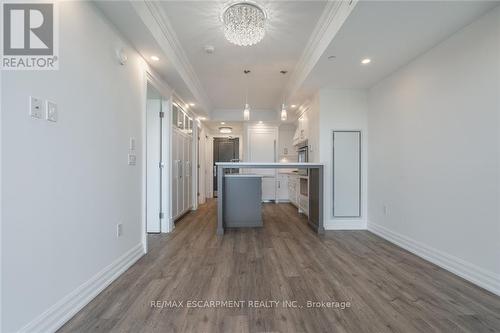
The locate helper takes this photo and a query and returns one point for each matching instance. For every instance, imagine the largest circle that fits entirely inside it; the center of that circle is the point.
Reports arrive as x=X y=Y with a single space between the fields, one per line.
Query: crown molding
x=329 y=24
x=157 y=22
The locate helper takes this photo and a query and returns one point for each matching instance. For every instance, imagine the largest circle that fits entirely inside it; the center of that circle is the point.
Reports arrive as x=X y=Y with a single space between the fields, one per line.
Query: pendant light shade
x=246 y=112
x=284 y=114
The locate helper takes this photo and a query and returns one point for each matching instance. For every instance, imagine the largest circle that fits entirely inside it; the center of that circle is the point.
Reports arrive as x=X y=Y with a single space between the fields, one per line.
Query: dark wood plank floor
x=389 y=289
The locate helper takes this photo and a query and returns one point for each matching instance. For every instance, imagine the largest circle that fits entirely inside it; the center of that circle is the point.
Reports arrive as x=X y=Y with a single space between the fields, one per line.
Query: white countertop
x=271 y=165
x=239 y=175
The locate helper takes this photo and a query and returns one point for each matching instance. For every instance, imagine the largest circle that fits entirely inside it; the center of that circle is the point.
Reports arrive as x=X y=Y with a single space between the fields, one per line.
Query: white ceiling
x=391 y=33
x=197 y=23
x=126 y=19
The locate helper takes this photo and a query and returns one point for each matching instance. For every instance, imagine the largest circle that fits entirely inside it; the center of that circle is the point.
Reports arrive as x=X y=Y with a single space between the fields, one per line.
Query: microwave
x=303 y=157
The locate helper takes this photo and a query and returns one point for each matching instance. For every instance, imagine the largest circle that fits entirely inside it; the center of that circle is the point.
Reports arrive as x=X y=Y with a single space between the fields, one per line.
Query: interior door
x=153 y=161
x=225 y=150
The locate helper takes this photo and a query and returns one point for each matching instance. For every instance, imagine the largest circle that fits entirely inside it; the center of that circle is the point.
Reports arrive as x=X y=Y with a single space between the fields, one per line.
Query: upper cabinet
x=302 y=132
x=181 y=120
x=286 y=150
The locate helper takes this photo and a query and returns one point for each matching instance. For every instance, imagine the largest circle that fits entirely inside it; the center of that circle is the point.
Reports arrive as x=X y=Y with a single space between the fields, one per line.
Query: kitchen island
x=315 y=218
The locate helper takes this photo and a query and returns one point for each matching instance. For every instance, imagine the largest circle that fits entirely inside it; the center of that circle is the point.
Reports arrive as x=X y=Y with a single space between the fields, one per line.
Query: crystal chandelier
x=244 y=23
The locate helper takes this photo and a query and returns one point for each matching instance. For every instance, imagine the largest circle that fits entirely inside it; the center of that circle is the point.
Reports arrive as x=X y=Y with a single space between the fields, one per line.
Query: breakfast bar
x=231 y=182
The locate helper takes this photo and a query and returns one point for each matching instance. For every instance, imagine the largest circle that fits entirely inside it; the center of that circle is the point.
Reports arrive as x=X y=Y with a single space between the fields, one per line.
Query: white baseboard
x=68 y=306
x=470 y=272
x=345 y=224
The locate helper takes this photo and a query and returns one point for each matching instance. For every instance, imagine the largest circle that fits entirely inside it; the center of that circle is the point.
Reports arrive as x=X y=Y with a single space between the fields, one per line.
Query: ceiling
x=290 y=24
x=391 y=34
x=127 y=20
x=300 y=36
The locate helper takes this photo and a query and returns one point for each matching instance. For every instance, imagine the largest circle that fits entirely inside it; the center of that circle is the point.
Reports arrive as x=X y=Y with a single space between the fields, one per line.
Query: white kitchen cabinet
x=302 y=132
x=262 y=147
x=286 y=151
x=293 y=189
x=282 y=191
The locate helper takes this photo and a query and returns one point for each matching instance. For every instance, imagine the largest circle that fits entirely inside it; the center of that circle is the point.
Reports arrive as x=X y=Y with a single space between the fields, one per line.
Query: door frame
x=149 y=77
x=214 y=173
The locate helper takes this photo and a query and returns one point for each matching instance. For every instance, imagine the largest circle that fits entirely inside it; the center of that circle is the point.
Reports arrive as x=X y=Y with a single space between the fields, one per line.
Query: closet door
x=186 y=174
x=182 y=170
x=175 y=172
x=190 y=173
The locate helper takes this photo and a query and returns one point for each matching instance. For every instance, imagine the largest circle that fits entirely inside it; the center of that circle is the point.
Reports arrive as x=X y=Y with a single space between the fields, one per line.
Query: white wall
x=66 y=185
x=341 y=110
x=434 y=149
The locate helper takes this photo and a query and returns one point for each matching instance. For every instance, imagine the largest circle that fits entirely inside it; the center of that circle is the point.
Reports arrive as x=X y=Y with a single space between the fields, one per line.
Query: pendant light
x=246 y=111
x=284 y=114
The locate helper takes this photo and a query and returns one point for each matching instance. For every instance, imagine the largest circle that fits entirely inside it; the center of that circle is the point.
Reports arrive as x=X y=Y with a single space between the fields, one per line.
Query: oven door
x=302 y=158
x=302 y=152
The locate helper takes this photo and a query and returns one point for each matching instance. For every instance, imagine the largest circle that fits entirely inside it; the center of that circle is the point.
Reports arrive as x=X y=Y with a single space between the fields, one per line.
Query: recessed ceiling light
x=186 y=106
x=366 y=61
x=209 y=49
x=155 y=58
x=260 y=121
x=202 y=118
x=293 y=106
x=222 y=122
x=192 y=104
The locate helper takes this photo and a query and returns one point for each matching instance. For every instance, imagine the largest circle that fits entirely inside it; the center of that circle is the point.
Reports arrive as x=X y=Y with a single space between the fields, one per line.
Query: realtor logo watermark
x=29 y=36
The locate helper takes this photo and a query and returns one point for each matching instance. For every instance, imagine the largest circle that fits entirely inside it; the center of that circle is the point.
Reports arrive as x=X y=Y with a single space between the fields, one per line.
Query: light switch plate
x=132 y=159
x=119 y=230
x=51 y=113
x=36 y=108
x=132 y=143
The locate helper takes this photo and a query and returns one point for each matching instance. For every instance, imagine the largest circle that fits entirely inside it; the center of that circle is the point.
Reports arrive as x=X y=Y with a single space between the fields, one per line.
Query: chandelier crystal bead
x=244 y=23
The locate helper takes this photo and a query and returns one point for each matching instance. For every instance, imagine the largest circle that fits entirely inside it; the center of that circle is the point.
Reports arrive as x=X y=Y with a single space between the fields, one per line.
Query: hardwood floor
x=389 y=289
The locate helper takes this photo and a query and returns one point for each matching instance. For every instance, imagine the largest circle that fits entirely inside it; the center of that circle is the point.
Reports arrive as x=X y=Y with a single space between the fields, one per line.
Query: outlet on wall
x=119 y=230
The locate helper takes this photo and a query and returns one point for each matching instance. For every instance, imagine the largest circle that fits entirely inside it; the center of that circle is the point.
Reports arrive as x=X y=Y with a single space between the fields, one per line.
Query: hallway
x=389 y=289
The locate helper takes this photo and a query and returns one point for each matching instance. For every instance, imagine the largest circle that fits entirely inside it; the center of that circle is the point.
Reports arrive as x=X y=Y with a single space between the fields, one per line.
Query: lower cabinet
x=293 y=189
x=282 y=190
